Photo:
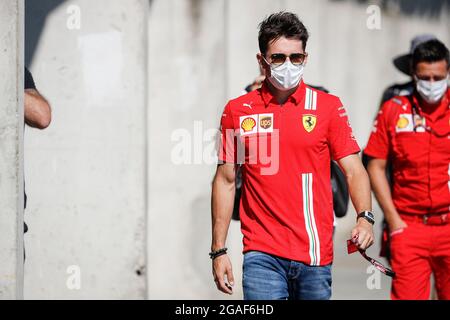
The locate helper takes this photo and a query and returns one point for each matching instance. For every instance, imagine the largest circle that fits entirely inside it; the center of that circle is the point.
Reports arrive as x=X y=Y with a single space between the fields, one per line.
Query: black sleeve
x=388 y=94
x=340 y=191
x=29 y=82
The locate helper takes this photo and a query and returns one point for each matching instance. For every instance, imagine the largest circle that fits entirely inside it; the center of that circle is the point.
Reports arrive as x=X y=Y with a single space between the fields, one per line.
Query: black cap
x=403 y=62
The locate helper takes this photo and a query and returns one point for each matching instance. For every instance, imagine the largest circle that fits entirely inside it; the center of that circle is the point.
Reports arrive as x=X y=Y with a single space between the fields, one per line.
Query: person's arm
x=37 y=110
x=344 y=149
x=382 y=191
x=378 y=152
x=359 y=189
x=222 y=202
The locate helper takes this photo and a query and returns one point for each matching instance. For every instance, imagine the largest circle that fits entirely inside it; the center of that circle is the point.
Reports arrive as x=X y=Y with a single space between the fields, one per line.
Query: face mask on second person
x=431 y=92
x=286 y=76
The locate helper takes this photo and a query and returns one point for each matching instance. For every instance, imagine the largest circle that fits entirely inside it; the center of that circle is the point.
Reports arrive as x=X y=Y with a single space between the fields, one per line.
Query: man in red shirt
x=284 y=135
x=413 y=133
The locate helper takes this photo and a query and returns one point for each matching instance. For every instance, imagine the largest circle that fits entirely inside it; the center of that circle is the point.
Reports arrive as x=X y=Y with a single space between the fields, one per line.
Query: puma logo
x=248 y=105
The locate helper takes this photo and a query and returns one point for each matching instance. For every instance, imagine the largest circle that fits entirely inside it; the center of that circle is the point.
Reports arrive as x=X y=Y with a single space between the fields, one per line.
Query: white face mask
x=431 y=92
x=287 y=76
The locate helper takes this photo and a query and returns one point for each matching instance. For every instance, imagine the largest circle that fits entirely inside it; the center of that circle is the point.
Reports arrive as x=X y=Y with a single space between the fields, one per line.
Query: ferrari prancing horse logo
x=309 y=122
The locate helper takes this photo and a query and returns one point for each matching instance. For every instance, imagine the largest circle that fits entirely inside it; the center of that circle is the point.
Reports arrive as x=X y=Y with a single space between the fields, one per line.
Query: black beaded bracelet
x=218 y=253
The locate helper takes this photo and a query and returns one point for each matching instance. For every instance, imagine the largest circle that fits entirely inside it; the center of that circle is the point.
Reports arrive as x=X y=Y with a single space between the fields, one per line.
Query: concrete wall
x=187 y=59
x=11 y=149
x=86 y=174
x=88 y=178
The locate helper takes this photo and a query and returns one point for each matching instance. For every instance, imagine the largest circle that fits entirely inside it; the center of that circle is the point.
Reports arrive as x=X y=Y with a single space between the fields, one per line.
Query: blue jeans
x=267 y=277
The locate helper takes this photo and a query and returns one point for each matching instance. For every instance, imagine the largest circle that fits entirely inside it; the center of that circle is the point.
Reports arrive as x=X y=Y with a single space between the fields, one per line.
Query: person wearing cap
x=403 y=64
x=412 y=131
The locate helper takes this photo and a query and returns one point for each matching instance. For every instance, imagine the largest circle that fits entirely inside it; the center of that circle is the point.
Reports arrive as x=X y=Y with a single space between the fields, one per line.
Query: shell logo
x=402 y=123
x=248 y=124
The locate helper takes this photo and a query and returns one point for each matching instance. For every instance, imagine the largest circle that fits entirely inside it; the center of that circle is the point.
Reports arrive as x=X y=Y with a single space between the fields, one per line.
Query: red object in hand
x=351 y=247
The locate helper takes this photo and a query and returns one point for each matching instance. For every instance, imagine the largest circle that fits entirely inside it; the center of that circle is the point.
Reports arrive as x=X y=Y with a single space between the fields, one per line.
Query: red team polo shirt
x=286 y=206
x=418 y=145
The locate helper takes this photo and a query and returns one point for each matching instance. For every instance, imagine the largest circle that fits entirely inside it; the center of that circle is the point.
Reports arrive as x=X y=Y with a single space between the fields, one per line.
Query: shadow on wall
x=428 y=8
x=36 y=13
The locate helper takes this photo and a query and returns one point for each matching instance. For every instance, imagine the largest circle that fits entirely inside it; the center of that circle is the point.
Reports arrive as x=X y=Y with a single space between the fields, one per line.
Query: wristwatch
x=366 y=215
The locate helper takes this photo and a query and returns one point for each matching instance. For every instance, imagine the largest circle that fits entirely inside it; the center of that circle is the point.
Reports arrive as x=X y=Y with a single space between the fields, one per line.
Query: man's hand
x=222 y=266
x=359 y=188
x=382 y=190
x=363 y=234
x=397 y=224
x=222 y=208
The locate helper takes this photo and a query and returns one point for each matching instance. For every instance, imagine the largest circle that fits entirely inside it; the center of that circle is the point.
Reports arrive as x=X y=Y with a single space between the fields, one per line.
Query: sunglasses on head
x=277 y=59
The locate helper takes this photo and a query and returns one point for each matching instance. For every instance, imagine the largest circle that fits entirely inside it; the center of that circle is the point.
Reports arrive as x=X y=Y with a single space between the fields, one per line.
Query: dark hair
x=281 y=24
x=430 y=51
